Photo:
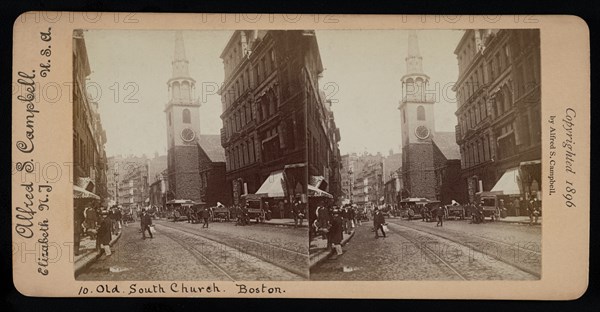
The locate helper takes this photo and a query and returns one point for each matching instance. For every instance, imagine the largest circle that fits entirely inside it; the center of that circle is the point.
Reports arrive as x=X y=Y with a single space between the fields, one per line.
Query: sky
x=130 y=69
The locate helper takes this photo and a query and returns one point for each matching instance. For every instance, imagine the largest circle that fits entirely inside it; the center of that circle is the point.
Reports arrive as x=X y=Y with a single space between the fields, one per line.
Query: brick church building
x=195 y=162
x=430 y=159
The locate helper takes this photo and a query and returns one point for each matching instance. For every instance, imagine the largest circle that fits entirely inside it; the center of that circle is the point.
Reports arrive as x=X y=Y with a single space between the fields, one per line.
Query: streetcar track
x=422 y=247
x=478 y=236
x=195 y=252
x=474 y=247
x=249 y=240
x=259 y=256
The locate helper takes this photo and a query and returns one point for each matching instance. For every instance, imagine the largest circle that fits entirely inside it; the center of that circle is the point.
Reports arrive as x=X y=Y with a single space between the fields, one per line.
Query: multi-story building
x=89 y=157
x=270 y=75
x=89 y=137
x=323 y=136
x=125 y=177
x=499 y=119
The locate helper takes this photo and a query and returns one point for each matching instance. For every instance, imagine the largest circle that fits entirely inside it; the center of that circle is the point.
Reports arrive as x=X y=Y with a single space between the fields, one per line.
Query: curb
x=92 y=256
x=519 y=222
x=285 y=224
x=324 y=255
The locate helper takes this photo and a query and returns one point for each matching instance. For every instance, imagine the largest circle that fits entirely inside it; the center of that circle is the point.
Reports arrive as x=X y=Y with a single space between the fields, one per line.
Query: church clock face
x=422 y=132
x=188 y=134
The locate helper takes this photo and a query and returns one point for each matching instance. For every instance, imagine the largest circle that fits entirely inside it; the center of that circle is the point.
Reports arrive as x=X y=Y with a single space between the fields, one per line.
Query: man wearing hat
x=378 y=222
x=146 y=222
x=104 y=233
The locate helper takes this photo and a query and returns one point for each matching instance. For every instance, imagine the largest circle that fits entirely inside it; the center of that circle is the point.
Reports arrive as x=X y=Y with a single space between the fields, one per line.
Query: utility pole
x=116 y=174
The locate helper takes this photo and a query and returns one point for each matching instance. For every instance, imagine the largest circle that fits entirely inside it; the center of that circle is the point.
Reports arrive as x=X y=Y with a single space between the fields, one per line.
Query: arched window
x=420 y=113
x=186 y=116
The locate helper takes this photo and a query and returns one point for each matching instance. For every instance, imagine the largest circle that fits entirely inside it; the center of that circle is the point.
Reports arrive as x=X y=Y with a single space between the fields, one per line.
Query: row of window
x=240 y=155
x=476 y=152
x=266 y=107
x=249 y=78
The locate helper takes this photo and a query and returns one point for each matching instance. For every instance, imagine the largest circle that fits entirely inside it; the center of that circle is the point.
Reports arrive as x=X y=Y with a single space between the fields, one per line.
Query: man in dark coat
x=336 y=232
x=205 y=217
x=104 y=234
x=146 y=223
x=378 y=222
x=440 y=216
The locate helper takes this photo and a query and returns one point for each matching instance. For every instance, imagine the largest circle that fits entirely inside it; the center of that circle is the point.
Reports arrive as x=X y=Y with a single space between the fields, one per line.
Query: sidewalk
x=88 y=253
x=285 y=222
x=519 y=220
x=318 y=249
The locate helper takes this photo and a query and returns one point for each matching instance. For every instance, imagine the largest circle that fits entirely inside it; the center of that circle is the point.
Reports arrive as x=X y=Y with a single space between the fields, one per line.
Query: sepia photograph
x=190 y=155
x=427 y=159
x=303 y=154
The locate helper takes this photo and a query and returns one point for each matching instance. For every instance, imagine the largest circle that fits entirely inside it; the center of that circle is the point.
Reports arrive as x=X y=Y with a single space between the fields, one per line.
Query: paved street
x=419 y=250
x=184 y=251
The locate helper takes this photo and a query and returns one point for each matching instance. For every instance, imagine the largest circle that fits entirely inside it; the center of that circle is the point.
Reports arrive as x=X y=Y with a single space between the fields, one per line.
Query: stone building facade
x=89 y=137
x=499 y=106
x=268 y=74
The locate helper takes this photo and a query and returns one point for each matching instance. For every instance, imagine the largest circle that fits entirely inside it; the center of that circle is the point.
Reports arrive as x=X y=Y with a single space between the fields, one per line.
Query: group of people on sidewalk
x=332 y=222
x=99 y=225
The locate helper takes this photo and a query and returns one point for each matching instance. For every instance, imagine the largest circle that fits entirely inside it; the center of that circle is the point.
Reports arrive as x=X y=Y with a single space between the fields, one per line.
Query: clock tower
x=183 y=128
x=417 y=124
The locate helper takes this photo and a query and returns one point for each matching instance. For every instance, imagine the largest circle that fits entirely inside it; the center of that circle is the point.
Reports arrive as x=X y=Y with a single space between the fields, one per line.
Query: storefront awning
x=315 y=192
x=509 y=183
x=273 y=185
x=81 y=193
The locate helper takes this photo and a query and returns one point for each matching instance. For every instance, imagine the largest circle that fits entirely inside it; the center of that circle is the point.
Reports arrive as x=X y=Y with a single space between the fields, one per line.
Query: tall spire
x=414 y=61
x=180 y=62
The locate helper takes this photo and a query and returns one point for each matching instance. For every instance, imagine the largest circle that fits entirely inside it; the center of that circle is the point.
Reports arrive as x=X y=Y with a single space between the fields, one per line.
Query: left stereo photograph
x=189 y=154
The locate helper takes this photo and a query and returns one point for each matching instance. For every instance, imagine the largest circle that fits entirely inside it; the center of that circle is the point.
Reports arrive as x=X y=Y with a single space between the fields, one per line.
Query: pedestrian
x=146 y=223
x=534 y=211
x=295 y=213
x=411 y=213
x=205 y=217
x=104 y=234
x=111 y=218
x=322 y=220
x=118 y=218
x=378 y=222
x=335 y=233
x=301 y=212
x=352 y=216
x=344 y=216
x=440 y=216
x=91 y=218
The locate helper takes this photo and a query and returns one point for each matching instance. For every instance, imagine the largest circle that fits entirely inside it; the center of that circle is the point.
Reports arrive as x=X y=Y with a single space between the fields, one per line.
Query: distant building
x=393 y=189
x=128 y=177
x=158 y=190
x=499 y=111
x=430 y=160
x=363 y=176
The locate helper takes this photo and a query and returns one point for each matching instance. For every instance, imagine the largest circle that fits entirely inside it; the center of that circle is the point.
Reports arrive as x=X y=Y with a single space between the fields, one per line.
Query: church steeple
x=414 y=61
x=181 y=85
x=180 y=62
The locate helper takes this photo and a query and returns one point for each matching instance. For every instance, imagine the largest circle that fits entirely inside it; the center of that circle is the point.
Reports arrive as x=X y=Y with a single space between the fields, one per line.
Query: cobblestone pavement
x=177 y=253
x=415 y=251
x=284 y=246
